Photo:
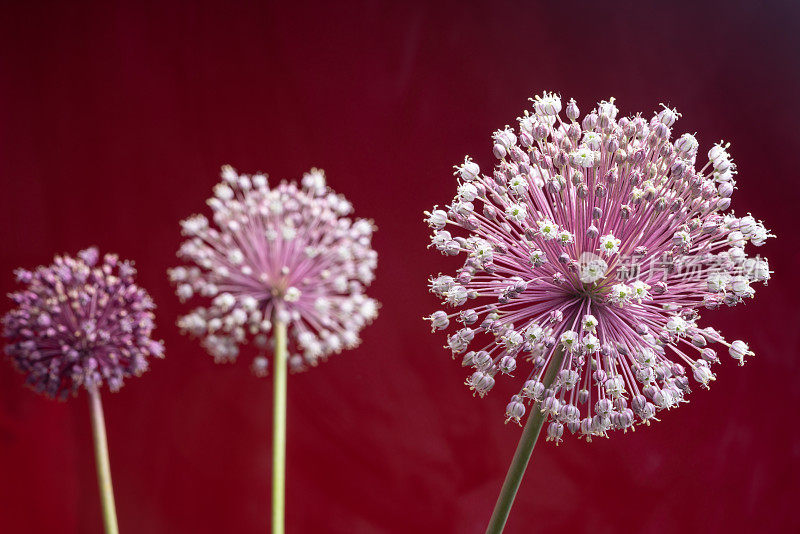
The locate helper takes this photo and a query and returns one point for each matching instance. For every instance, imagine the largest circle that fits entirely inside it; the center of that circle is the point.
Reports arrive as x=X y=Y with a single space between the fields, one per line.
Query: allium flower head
x=598 y=239
x=80 y=322
x=284 y=253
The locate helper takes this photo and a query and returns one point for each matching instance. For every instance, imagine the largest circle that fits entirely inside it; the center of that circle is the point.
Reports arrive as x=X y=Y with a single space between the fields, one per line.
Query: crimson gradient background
x=114 y=121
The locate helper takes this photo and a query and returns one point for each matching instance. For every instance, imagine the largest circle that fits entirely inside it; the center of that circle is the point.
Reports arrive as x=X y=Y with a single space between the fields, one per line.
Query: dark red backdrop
x=114 y=120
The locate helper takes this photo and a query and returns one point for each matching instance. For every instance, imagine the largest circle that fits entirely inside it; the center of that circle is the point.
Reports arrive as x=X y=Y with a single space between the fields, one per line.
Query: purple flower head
x=80 y=322
x=597 y=239
x=284 y=253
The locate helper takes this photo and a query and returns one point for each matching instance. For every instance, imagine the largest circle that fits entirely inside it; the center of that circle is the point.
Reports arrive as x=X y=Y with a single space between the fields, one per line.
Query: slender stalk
x=523 y=453
x=279 y=429
x=103 y=464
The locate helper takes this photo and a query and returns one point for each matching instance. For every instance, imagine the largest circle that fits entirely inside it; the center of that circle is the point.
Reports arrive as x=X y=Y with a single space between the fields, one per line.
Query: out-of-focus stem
x=279 y=429
x=103 y=464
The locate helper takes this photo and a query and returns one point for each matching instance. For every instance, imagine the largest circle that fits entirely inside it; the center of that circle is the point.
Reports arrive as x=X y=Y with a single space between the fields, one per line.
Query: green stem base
x=279 y=371
x=103 y=463
x=523 y=454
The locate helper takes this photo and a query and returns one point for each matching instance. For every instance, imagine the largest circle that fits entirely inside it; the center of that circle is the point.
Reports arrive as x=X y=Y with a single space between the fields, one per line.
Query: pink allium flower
x=597 y=237
x=80 y=322
x=285 y=252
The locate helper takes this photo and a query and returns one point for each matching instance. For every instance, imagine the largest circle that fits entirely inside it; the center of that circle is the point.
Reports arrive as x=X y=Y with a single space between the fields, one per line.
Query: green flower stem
x=103 y=464
x=279 y=429
x=523 y=453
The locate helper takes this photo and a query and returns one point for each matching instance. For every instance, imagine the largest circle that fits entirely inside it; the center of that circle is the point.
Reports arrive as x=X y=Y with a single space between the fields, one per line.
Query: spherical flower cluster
x=80 y=322
x=283 y=253
x=591 y=248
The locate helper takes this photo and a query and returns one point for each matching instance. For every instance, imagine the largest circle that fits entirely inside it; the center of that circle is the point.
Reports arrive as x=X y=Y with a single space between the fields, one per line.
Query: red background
x=114 y=121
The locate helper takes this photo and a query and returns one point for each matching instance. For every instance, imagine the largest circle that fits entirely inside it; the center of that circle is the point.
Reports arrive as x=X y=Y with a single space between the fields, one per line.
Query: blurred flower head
x=282 y=253
x=599 y=238
x=80 y=322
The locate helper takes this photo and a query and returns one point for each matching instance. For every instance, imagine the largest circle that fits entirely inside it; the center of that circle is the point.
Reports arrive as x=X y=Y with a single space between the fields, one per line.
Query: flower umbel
x=80 y=322
x=284 y=253
x=598 y=239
